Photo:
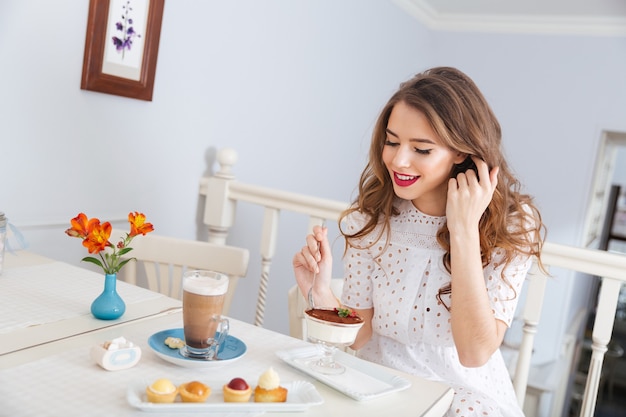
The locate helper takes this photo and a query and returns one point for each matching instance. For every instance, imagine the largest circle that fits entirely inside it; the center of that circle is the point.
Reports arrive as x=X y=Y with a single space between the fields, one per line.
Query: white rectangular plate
x=362 y=380
x=300 y=396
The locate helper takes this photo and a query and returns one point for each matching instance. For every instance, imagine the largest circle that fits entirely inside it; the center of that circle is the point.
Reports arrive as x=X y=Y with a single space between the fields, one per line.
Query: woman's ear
x=460 y=157
x=463 y=166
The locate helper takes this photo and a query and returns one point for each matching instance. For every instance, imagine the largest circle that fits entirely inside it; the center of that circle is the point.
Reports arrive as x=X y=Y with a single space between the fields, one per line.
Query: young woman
x=438 y=243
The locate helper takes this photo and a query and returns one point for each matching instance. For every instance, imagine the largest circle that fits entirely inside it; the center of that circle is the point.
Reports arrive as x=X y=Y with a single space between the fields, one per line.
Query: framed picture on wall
x=121 y=47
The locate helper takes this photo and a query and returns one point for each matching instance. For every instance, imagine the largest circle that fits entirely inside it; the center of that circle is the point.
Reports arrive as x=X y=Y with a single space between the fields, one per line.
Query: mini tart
x=276 y=395
x=156 y=393
x=236 y=395
x=194 y=392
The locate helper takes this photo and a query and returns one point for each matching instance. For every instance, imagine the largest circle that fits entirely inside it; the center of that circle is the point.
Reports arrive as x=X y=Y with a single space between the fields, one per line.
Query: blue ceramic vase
x=109 y=305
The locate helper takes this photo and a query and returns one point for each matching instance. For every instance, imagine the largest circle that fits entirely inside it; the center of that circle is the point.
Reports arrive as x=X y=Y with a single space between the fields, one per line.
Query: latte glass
x=205 y=329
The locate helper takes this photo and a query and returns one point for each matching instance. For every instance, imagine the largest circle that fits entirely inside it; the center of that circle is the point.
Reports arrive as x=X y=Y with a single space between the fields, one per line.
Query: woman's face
x=418 y=163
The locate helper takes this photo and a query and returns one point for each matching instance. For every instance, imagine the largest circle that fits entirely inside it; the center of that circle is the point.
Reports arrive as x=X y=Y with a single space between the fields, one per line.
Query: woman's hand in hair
x=469 y=195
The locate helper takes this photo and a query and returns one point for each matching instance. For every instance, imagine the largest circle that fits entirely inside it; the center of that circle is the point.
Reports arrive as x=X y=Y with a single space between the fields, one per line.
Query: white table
x=42 y=300
x=59 y=378
x=46 y=369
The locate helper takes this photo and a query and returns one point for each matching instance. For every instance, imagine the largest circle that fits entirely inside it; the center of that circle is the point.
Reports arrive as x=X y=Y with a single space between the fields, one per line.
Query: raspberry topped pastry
x=237 y=391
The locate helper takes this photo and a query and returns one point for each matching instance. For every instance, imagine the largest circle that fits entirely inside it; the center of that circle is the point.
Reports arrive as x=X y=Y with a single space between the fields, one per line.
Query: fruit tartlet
x=237 y=391
x=161 y=391
x=194 y=392
x=269 y=390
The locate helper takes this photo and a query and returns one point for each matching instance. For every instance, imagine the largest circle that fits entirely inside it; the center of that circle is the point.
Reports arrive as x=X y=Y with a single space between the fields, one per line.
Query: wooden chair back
x=161 y=262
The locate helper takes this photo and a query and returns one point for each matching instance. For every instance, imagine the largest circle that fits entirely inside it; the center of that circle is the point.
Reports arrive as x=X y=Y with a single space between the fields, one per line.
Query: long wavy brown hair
x=463 y=120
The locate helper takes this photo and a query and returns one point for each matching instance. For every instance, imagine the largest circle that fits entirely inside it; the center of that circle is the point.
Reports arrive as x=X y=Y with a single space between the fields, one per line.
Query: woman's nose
x=402 y=157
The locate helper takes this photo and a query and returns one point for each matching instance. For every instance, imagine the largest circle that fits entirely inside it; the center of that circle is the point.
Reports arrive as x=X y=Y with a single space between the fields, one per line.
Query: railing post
x=531 y=316
x=602 y=330
x=219 y=209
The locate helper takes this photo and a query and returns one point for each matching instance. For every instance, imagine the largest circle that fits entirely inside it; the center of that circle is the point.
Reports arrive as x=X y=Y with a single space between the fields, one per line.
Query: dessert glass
x=329 y=336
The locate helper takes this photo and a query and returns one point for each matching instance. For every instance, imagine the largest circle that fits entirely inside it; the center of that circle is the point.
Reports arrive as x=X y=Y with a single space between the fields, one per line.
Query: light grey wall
x=294 y=87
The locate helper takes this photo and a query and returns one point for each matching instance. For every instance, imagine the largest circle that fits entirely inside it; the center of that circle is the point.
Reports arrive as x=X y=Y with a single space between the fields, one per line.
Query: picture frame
x=121 y=47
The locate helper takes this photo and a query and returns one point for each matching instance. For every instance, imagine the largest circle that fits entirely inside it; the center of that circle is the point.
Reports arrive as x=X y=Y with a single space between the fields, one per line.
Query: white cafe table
x=42 y=300
x=60 y=378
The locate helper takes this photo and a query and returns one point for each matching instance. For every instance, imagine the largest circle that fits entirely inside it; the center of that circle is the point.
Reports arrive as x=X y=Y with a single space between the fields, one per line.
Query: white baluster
x=531 y=316
x=602 y=330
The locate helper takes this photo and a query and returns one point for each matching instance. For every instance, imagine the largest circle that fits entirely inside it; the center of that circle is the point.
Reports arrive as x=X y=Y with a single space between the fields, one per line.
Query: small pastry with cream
x=194 y=392
x=161 y=391
x=237 y=391
x=269 y=390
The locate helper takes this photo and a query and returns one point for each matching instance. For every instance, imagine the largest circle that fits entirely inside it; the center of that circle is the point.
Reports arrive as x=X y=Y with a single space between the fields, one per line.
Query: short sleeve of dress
x=504 y=284
x=359 y=268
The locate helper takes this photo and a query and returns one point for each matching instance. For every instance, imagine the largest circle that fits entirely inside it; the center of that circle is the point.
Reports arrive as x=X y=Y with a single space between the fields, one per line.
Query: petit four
x=194 y=392
x=237 y=391
x=161 y=391
x=269 y=389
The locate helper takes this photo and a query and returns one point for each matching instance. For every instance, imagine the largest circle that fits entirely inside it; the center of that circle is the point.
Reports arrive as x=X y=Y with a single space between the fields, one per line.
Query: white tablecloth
x=50 y=292
x=60 y=379
x=71 y=384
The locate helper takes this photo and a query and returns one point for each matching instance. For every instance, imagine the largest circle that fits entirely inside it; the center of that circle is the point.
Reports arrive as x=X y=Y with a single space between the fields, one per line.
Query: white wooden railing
x=223 y=191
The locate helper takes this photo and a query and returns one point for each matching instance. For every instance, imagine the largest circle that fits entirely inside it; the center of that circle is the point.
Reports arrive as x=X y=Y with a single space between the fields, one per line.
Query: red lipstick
x=404 y=180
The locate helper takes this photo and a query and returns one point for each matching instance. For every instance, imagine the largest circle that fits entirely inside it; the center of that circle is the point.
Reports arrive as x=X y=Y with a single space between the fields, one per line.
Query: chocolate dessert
x=338 y=315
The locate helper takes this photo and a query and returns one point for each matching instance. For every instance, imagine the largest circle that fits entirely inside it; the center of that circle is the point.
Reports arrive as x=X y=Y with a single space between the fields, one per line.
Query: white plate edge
x=396 y=382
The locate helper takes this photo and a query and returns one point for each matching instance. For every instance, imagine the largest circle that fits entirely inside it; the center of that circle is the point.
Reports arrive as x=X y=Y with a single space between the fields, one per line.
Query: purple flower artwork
x=124 y=41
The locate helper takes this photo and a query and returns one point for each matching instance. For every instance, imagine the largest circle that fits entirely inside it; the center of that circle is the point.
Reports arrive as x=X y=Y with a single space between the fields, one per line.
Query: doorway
x=610 y=167
x=606 y=218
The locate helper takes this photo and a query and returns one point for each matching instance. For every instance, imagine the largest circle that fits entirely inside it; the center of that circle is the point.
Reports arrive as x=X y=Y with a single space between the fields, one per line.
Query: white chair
x=163 y=260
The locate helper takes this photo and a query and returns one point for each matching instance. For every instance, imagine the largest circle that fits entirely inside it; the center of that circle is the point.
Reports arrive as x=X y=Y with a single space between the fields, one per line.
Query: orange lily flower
x=81 y=226
x=138 y=224
x=98 y=238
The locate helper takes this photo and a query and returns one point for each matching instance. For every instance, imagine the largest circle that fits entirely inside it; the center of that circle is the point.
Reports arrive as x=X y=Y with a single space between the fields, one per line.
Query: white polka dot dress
x=411 y=329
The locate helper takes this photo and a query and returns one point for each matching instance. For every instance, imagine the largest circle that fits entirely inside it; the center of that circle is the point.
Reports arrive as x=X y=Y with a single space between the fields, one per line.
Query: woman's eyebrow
x=390 y=132
x=420 y=140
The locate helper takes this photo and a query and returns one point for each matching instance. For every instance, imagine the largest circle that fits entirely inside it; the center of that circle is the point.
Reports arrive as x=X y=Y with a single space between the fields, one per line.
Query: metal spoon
x=310 y=295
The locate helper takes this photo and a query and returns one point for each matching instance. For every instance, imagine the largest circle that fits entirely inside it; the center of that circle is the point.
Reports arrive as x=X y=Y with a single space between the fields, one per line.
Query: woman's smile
x=402 y=180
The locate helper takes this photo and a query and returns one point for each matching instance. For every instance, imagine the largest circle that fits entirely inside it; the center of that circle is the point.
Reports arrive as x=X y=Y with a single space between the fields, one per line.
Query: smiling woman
x=436 y=253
